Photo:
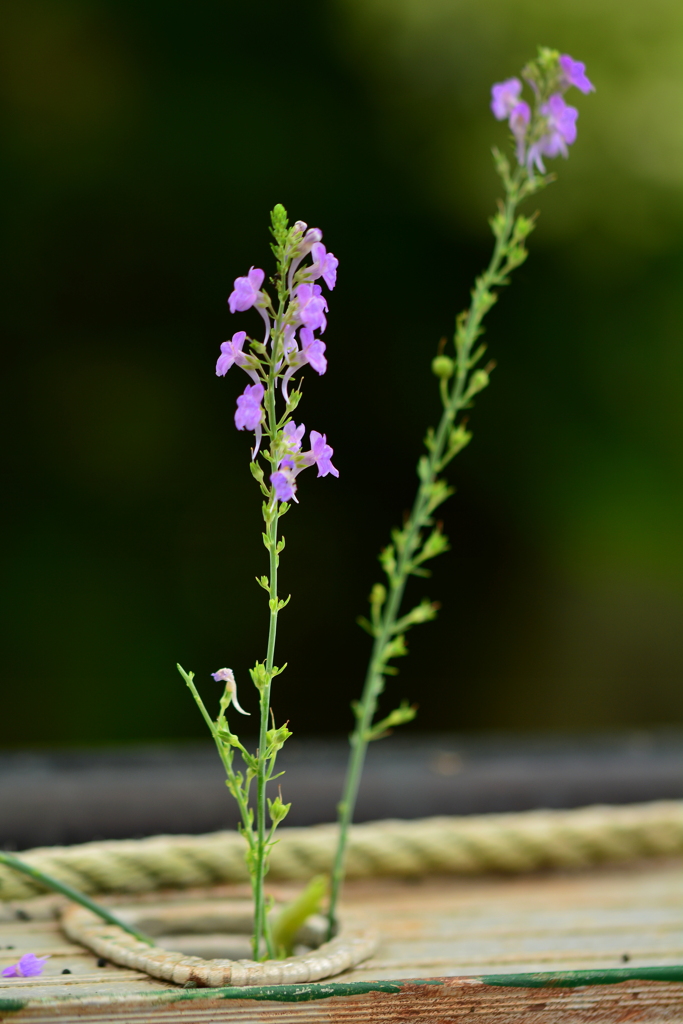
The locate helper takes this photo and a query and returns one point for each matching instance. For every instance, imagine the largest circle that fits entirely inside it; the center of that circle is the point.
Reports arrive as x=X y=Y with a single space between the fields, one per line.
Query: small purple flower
x=561 y=133
x=313 y=350
x=504 y=97
x=574 y=73
x=312 y=306
x=289 y=467
x=561 y=123
x=520 y=117
x=284 y=482
x=320 y=454
x=29 y=966
x=249 y=409
x=226 y=675
x=292 y=435
x=325 y=265
x=230 y=353
x=247 y=291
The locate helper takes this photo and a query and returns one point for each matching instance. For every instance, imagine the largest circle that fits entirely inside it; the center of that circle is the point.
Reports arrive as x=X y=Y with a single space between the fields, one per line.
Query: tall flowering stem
x=291 y=319
x=544 y=132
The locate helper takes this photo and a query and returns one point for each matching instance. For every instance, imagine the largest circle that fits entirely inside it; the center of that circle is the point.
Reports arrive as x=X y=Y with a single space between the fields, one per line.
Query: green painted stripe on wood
x=306 y=993
x=573 y=979
x=548 y=979
x=8 y=1005
x=290 y=993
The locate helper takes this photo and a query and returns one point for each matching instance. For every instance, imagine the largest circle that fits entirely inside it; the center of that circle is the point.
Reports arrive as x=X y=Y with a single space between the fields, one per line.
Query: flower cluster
x=552 y=128
x=294 y=460
x=29 y=966
x=292 y=340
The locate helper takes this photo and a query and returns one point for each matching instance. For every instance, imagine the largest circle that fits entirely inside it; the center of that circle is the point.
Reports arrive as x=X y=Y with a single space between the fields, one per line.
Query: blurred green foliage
x=142 y=147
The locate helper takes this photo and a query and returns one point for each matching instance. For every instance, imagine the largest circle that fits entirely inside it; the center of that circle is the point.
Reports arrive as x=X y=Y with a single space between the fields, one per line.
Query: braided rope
x=112 y=943
x=474 y=844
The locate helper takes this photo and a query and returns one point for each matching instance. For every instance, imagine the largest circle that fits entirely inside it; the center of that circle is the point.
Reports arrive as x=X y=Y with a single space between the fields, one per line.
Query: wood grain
x=441 y=928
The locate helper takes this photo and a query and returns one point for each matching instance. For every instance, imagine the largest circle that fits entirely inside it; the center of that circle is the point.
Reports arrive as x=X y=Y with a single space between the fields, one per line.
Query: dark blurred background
x=143 y=146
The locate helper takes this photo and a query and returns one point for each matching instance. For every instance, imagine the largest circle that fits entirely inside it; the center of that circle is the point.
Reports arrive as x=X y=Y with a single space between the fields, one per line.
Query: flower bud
x=312 y=236
x=443 y=367
x=277 y=810
x=279 y=222
x=478 y=381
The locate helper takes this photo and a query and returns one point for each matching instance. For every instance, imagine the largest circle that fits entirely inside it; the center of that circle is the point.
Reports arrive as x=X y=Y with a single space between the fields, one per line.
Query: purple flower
x=226 y=675
x=320 y=454
x=504 y=97
x=313 y=350
x=230 y=353
x=519 y=122
x=249 y=410
x=561 y=122
x=574 y=73
x=284 y=482
x=312 y=306
x=28 y=967
x=325 y=265
x=247 y=291
x=291 y=436
x=289 y=467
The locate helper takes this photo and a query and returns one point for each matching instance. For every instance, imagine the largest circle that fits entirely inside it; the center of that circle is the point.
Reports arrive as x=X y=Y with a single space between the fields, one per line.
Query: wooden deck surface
x=447 y=928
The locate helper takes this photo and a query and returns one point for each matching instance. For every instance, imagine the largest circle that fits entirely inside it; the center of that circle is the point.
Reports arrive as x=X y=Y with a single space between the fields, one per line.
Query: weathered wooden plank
x=569 y=922
x=453 y=1001
x=448 y=928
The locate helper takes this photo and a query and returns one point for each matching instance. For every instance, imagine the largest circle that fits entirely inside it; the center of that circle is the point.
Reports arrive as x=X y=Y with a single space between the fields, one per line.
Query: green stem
x=271 y=515
x=66 y=890
x=419 y=518
x=236 y=790
x=260 y=930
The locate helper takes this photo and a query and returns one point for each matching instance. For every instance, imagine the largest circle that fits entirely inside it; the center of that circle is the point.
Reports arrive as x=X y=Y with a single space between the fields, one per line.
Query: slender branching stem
x=455 y=398
x=225 y=754
x=262 y=934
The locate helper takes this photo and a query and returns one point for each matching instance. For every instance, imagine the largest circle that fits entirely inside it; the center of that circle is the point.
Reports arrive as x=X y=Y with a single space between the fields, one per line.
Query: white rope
x=474 y=844
x=116 y=945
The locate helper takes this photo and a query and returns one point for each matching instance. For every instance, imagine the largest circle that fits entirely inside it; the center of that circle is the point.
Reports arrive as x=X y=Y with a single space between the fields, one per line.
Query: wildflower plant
x=543 y=129
x=294 y=317
x=293 y=320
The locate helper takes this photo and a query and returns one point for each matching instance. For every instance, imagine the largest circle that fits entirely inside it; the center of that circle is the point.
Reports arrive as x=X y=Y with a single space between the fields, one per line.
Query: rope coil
x=513 y=842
